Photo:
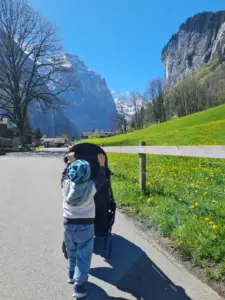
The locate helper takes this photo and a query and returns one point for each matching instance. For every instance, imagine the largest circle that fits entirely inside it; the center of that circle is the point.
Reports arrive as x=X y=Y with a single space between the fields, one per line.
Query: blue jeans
x=79 y=241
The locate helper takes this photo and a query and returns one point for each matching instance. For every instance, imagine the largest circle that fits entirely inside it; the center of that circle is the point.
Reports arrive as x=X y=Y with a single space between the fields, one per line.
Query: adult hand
x=101 y=159
x=71 y=157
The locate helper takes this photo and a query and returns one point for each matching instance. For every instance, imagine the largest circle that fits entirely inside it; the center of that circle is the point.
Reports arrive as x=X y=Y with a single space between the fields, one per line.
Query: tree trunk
x=23 y=139
x=22 y=133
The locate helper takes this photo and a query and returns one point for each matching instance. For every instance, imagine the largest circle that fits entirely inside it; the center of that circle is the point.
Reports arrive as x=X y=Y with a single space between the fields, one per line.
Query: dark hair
x=65 y=159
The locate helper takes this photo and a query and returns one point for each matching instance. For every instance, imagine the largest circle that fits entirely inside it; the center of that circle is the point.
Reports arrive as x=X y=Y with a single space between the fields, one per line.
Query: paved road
x=50 y=150
x=32 y=265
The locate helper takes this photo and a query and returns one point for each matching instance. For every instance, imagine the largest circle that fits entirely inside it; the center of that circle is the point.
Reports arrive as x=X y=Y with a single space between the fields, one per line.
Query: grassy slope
x=207 y=70
x=185 y=196
x=204 y=128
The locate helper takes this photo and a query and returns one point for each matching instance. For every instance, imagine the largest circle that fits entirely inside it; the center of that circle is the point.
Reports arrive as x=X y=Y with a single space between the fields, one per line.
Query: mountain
x=89 y=106
x=198 y=41
x=123 y=101
x=126 y=107
x=52 y=122
x=126 y=96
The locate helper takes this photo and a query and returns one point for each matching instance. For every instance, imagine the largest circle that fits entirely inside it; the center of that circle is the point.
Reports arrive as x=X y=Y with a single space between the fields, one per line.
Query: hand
x=71 y=157
x=101 y=159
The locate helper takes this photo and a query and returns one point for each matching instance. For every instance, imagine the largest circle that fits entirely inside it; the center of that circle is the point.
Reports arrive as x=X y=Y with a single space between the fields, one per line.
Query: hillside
x=203 y=128
x=184 y=199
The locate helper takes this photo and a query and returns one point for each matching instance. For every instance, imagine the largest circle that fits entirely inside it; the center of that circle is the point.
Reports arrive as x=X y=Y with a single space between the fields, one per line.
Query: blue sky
x=121 y=39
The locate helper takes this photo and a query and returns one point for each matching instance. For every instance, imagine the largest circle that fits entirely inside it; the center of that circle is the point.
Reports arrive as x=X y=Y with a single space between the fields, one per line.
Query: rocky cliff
x=52 y=122
x=198 y=40
x=90 y=106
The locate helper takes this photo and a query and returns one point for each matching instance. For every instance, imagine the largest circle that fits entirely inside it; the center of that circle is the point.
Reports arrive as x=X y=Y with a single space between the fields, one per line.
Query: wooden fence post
x=142 y=169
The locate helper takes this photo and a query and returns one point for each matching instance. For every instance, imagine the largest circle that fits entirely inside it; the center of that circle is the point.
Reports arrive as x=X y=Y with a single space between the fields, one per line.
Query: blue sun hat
x=79 y=171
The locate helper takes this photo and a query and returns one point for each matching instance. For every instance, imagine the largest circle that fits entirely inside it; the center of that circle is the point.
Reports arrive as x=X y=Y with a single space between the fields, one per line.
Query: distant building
x=109 y=133
x=98 y=134
x=3 y=126
x=86 y=135
x=13 y=133
x=54 y=142
x=9 y=137
x=4 y=140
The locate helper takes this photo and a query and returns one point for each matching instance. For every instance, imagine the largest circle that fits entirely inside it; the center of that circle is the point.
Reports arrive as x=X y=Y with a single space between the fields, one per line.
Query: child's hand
x=71 y=157
x=101 y=159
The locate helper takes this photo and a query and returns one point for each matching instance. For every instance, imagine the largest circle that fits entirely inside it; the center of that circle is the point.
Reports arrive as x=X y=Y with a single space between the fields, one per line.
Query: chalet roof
x=87 y=134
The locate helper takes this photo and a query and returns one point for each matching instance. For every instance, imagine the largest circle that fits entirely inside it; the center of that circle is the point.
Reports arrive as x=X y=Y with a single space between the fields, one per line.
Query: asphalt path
x=32 y=266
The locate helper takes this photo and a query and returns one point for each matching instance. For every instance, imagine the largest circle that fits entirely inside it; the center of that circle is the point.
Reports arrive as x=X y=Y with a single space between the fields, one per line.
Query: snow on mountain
x=124 y=103
x=124 y=107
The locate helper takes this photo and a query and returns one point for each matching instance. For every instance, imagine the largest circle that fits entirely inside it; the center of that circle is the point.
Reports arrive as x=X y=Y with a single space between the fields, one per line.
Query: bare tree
x=155 y=92
x=134 y=99
x=188 y=96
x=29 y=62
x=122 y=116
x=138 y=102
x=120 y=119
x=120 y=122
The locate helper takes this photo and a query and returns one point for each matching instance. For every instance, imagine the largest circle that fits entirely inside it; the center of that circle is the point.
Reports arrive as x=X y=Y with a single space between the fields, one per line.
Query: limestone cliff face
x=197 y=41
x=90 y=106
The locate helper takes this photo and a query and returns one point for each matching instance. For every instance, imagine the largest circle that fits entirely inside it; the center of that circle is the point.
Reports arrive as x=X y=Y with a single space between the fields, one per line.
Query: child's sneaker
x=71 y=280
x=79 y=291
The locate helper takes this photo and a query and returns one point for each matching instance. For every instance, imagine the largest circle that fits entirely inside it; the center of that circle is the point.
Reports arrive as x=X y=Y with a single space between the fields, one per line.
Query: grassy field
x=204 y=128
x=185 y=196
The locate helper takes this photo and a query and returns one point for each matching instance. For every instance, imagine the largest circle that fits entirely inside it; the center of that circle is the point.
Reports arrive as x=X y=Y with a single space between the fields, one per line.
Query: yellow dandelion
x=207 y=219
x=214 y=227
x=192 y=206
x=149 y=200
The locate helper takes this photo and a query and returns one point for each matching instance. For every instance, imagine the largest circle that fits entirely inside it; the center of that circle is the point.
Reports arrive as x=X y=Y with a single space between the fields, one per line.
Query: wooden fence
x=185 y=151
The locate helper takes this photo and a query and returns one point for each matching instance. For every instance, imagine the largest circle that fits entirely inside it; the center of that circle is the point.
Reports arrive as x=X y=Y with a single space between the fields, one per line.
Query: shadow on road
x=96 y=293
x=131 y=271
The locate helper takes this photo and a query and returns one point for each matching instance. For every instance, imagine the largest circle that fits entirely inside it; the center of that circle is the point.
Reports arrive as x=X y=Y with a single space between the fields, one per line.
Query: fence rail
x=184 y=151
x=188 y=151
